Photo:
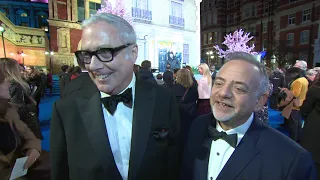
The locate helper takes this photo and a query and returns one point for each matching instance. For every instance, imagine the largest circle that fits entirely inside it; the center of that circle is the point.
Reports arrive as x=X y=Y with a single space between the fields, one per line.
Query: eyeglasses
x=103 y=54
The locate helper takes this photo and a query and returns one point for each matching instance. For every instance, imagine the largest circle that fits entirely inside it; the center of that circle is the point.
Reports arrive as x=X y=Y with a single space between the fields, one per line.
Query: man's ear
x=261 y=102
x=134 y=53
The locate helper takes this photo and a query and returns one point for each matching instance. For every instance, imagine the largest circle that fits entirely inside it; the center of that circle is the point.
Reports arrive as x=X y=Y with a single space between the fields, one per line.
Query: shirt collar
x=131 y=85
x=240 y=130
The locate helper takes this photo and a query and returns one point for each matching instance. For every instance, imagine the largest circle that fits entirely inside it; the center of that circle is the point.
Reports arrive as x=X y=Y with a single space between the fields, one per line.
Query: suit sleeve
x=302 y=167
x=174 y=155
x=58 y=148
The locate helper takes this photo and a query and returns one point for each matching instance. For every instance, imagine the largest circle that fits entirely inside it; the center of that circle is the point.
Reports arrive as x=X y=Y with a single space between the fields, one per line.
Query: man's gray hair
x=126 y=32
x=243 y=56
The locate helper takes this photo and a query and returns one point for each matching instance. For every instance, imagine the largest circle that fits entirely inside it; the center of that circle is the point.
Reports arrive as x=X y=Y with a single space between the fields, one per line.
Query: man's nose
x=226 y=91
x=95 y=63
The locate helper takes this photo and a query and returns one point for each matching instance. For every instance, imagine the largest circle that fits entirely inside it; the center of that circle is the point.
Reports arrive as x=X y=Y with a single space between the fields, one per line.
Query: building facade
x=284 y=28
x=24 y=38
x=166 y=29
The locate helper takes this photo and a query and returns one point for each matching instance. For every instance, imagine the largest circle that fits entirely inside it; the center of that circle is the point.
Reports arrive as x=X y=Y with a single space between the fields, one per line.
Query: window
x=249 y=11
x=266 y=7
x=209 y=38
x=304 y=37
x=264 y=27
x=81 y=12
x=230 y=3
x=93 y=7
x=265 y=44
x=290 y=39
x=215 y=37
x=306 y=15
x=292 y=18
x=253 y=11
x=214 y=17
x=209 y=18
x=176 y=9
x=141 y=4
x=230 y=18
x=205 y=39
x=303 y=56
x=186 y=53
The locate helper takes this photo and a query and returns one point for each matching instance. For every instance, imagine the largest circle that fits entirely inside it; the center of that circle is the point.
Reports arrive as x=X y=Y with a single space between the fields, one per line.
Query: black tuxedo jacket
x=80 y=148
x=83 y=80
x=263 y=154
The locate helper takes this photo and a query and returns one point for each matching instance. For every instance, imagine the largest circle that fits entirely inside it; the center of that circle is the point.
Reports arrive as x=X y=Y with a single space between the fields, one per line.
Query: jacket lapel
x=93 y=120
x=142 y=120
x=243 y=154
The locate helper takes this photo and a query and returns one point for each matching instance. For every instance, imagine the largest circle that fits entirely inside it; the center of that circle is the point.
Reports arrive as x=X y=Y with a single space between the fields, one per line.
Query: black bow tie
x=110 y=103
x=231 y=139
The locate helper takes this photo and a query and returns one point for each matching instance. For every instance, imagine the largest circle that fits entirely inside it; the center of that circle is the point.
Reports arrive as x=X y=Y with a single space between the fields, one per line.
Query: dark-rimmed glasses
x=103 y=54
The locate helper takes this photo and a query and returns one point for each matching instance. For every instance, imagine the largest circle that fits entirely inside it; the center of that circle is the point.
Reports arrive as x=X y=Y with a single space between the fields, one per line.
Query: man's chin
x=222 y=116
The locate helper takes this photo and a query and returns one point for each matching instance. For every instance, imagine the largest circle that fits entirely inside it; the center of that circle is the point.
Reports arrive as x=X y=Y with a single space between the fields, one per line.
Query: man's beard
x=222 y=116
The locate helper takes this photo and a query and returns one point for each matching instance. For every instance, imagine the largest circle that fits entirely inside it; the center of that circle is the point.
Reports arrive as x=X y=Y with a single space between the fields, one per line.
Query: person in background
x=263 y=114
x=160 y=81
x=277 y=79
x=16 y=139
x=145 y=72
x=204 y=89
x=299 y=87
x=310 y=111
x=64 y=78
x=187 y=96
x=168 y=76
x=175 y=71
x=195 y=83
x=35 y=81
x=20 y=95
x=49 y=81
x=213 y=72
x=76 y=72
x=136 y=69
x=311 y=76
x=301 y=65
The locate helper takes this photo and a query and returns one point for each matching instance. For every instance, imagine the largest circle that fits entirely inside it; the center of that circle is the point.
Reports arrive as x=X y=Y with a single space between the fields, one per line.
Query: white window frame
x=292 y=19
x=290 y=39
x=304 y=37
x=306 y=15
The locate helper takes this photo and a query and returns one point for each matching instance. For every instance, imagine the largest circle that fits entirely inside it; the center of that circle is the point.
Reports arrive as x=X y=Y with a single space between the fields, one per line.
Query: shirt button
x=218 y=154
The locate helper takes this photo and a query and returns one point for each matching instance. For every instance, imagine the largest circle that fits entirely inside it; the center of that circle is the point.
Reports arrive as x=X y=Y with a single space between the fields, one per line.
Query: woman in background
x=187 y=96
x=16 y=139
x=204 y=89
x=20 y=95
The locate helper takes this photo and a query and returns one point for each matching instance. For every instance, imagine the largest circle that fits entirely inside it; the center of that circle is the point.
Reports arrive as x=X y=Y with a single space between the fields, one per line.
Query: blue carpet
x=275 y=119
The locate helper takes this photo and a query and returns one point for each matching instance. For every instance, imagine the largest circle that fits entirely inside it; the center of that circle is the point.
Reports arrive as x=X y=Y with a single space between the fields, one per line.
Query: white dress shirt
x=221 y=151
x=119 y=128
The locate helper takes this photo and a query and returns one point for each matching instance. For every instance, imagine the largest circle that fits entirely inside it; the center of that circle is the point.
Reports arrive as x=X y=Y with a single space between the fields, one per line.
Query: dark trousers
x=295 y=123
x=273 y=101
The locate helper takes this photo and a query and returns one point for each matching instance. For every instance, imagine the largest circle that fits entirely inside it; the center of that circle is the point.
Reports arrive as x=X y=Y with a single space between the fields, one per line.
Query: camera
x=282 y=96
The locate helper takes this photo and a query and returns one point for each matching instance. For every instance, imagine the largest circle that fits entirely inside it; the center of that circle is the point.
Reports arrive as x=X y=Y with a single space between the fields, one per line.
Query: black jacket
x=80 y=148
x=146 y=76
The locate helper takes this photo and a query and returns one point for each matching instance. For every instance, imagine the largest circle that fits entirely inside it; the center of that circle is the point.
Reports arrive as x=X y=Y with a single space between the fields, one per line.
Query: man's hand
x=33 y=155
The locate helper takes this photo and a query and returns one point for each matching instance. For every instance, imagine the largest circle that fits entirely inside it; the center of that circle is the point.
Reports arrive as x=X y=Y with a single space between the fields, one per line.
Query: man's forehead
x=240 y=71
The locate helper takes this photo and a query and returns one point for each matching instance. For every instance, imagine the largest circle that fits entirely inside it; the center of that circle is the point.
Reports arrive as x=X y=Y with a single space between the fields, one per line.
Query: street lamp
x=2 y=30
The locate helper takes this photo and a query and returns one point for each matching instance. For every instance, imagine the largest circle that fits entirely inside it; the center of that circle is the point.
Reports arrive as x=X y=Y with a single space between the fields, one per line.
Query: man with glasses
x=129 y=129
